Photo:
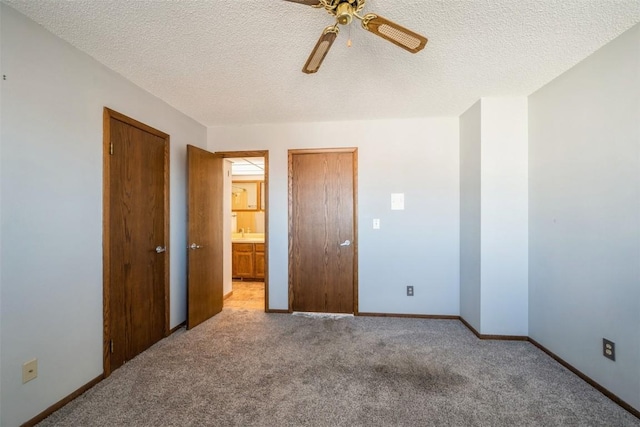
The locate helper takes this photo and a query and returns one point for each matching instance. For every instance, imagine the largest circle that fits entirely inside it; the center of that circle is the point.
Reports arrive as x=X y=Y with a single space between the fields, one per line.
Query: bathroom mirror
x=245 y=195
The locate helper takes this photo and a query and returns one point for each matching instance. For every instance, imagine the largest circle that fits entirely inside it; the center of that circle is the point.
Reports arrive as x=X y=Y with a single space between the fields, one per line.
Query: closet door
x=322 y=261
x=136 y=238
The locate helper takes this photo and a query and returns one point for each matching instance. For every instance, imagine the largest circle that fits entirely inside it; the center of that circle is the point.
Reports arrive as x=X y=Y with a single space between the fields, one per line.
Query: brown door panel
x=137 y=204
x=323 y=232
x=205 y=227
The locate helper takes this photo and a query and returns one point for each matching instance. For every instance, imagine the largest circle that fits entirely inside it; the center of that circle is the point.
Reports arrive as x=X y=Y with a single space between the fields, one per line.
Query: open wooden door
x=205 y=233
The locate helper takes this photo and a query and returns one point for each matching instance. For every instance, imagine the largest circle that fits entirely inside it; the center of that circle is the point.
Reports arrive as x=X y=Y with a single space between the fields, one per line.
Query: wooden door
x=322 y=261
x=136 y=238
x=205 y=240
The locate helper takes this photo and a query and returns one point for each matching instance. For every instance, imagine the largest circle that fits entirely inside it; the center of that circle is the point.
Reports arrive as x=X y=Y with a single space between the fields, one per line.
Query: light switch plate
x=397 y=201
x=376 y=224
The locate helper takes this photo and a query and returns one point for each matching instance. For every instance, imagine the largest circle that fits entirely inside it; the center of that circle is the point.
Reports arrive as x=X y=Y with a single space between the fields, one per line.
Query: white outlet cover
x=29 y=370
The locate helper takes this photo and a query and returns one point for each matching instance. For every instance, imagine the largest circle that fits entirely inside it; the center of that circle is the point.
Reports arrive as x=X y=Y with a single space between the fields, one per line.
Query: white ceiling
x=247 y=165
x=239 y=61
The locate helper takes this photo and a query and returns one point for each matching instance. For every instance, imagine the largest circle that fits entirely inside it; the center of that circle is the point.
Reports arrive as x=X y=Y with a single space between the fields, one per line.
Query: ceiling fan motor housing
x=344 y=13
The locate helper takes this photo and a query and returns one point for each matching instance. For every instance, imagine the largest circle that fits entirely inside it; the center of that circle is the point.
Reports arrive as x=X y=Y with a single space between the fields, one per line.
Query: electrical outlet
x=409 y=291
x=609 y=349
x=29 y=370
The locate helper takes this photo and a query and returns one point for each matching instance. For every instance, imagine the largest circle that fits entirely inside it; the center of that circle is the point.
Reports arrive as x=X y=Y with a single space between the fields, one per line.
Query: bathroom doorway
x=246 y=224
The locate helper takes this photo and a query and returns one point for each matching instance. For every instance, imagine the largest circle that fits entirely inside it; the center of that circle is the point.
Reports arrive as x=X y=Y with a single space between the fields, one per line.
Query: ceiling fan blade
x=306 y=2
x=320 y=50
x=396 y=34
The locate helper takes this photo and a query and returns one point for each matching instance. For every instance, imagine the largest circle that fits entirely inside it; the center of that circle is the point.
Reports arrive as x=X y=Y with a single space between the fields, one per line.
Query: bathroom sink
x=247 y=238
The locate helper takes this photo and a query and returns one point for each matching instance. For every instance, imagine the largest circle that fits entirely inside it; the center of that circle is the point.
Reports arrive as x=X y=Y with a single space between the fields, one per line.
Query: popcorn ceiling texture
x=239 y=61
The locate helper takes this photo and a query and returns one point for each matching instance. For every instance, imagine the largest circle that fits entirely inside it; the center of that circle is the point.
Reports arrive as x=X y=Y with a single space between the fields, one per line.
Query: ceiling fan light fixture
x=320 y=50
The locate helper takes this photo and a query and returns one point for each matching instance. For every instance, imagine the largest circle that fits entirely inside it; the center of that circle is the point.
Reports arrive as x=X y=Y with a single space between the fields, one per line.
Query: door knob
x=160 y=249
x=194 y=246
x=346 y=243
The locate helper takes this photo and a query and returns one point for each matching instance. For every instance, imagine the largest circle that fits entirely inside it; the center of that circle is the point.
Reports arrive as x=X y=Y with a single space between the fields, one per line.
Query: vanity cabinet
x=247 y=260
x=259 y=260
x=242 y=260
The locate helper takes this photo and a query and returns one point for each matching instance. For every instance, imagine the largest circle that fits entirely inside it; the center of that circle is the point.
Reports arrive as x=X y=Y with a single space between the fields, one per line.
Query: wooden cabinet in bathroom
x=247 y=260
x=242 y=260
x=259 y=260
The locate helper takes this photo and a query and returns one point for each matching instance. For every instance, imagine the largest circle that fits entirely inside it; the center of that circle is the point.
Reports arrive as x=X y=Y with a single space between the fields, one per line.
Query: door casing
x=265 y=154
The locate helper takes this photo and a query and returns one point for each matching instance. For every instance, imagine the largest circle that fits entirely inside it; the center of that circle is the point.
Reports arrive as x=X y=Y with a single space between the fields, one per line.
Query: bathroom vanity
x=247 y=258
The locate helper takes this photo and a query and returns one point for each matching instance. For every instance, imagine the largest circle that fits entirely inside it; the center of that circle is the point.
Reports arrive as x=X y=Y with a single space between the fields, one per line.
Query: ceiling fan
x=345 y=11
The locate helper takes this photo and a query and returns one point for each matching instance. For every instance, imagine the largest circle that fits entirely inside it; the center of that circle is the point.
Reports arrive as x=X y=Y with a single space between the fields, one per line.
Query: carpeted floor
x=248 y=368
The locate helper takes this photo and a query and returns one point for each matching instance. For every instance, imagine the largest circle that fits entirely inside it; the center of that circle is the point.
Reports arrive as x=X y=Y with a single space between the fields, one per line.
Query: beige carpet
x=247 y=295
x=249 y=368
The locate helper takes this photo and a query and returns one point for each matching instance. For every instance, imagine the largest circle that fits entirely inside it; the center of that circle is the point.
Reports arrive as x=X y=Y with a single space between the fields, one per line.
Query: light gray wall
x=584 y=188
x=504 y=216
x=418 y=246
x=1 y=221
x=493 y=220
x=51 y=195
x=470 y=167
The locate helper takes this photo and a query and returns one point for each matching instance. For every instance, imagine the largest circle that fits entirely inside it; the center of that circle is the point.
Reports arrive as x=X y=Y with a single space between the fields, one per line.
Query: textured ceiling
x=239 y=61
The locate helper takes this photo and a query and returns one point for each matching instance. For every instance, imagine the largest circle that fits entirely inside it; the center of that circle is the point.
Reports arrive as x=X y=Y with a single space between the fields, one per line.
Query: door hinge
x=111 y=346
x=111 y=148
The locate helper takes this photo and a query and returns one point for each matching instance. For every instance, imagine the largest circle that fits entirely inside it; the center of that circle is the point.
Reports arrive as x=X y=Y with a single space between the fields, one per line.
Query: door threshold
x=322 y=315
